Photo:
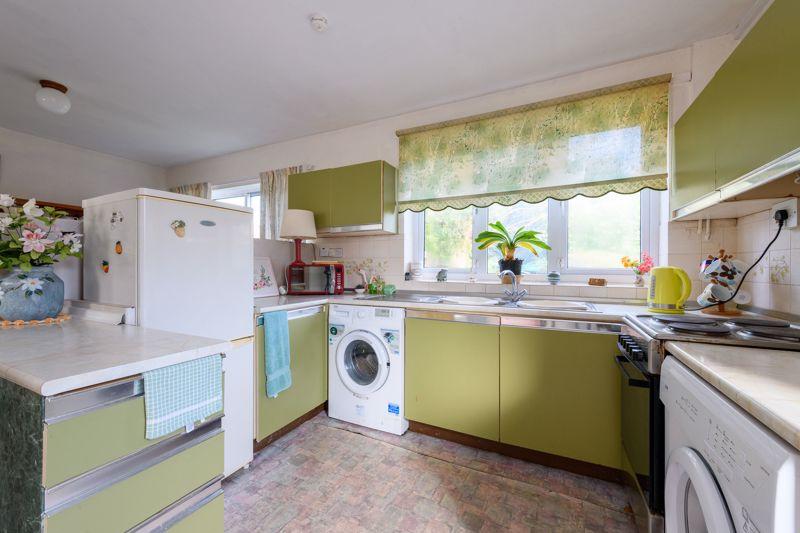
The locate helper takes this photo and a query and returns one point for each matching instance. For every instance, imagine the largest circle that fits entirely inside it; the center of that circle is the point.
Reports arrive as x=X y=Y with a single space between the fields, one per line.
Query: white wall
x=33 y=167
x=691 y=68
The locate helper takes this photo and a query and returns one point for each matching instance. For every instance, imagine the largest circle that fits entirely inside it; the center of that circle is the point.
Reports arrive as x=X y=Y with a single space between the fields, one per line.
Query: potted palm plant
x=500 y=237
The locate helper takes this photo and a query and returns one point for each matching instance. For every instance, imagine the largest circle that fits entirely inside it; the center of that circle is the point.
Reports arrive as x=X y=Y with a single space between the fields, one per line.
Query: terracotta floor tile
x=328 y=475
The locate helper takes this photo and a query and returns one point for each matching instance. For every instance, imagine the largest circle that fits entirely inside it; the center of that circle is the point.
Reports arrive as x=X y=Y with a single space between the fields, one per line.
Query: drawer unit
x=87 y=429
x=127 y=493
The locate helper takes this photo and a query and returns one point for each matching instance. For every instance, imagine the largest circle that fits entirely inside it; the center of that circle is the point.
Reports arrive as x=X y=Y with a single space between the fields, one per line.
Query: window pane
x=602 y=230
x=448 y=238
x=255 y=203
x=521 y=214
x=235 y=200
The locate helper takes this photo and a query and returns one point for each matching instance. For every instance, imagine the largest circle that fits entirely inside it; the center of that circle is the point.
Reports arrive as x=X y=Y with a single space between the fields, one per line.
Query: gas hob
x=644 y=336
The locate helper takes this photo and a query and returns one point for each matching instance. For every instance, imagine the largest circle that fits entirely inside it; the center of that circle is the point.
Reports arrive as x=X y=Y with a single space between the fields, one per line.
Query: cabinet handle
x=632 y=382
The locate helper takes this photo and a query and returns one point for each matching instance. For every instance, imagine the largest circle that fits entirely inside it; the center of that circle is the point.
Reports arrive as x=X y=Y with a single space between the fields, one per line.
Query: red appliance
x=303 y=278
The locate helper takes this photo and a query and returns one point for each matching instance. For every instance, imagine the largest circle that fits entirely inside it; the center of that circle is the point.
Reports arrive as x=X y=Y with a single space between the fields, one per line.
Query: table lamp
x=298 y=224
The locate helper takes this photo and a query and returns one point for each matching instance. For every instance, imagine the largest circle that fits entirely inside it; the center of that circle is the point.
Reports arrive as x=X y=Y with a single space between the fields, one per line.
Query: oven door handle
x=632 y=382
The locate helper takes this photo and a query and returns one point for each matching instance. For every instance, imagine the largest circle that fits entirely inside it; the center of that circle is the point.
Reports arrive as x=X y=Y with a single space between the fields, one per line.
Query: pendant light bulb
x=52 y=96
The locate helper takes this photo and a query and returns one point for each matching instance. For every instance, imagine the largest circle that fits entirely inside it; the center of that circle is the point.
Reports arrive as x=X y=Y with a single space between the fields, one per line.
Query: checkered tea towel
x=181 y=395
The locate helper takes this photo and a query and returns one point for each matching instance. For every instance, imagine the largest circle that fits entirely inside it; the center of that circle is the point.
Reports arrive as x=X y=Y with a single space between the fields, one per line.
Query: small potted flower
x=508 y=244
x=29 y=246
x=640 y=267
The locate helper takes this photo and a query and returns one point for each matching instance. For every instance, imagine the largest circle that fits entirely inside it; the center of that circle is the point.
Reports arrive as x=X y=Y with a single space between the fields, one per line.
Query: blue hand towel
x=277 y=361
x=180 y=395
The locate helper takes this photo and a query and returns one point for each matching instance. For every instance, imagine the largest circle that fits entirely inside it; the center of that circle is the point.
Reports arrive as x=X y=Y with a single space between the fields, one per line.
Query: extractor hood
x=756 y=191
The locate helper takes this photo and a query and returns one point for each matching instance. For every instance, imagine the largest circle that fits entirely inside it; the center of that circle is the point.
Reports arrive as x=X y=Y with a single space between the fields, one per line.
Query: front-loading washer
x=726 y=472
x=366 y=366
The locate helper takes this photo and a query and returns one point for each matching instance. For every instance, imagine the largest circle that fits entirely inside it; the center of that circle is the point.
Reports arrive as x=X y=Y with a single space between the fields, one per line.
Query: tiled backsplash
x=690 y=242
x=775 y=282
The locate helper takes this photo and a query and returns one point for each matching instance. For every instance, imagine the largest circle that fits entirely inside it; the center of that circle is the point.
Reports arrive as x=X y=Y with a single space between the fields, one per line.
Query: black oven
x=642 y=422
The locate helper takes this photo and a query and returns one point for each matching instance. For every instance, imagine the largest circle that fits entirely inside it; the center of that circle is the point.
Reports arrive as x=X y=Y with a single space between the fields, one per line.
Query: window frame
x=247 y=190
x=557 y=237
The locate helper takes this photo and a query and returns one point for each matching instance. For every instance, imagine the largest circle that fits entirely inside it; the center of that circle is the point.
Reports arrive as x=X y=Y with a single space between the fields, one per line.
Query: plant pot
x=33 y=295
x=514 y=265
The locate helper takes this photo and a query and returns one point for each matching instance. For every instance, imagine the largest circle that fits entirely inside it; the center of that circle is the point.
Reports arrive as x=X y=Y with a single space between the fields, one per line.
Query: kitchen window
x=243 y=196
x=588 y=236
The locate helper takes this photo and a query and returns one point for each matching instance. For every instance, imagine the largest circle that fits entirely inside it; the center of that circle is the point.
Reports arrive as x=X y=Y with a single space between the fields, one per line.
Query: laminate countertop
x=56 y=358
x=764 y=383
x=606 y=312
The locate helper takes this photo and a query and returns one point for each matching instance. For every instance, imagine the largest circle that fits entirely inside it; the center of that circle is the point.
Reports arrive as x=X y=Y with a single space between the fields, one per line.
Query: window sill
x=616 y=291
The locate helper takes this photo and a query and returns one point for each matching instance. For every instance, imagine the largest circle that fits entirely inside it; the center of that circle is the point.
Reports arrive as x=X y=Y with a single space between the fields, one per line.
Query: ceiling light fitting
x=319 y=22
x=52 y=96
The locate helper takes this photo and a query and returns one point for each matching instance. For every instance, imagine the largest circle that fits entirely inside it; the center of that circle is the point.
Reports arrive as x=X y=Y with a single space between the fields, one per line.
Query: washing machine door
x=362 y=362
x=693 y=502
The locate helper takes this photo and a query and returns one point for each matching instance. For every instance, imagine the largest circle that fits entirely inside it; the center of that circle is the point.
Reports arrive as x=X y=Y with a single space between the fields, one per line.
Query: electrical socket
x=790 y=205
x=336 y=252
x=323 y=251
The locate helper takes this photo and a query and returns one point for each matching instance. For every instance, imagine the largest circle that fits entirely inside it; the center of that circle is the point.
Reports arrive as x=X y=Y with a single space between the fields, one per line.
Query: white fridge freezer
x=186 y=265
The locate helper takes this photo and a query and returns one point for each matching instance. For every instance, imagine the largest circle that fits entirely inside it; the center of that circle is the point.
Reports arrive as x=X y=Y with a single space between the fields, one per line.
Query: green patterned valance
x=589 y=144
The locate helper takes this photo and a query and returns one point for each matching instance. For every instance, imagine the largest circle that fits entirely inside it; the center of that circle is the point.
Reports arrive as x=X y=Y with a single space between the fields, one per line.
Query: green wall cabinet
x=309 y=363
x=350 y=200
x=560 y=393
x=749 y=113
x=451 y=375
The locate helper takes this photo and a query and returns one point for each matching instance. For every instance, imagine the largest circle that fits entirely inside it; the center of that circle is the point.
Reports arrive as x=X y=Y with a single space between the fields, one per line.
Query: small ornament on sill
x=553 y=277
x=442 y=275
x=598 y=282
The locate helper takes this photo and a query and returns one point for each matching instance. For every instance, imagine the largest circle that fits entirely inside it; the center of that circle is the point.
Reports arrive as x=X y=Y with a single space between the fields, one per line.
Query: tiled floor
x=332 y=476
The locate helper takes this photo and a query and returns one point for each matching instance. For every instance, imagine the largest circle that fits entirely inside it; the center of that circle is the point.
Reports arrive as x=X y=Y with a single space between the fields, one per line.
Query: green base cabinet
x=451 y=376
x=350 y=200
x=560 y=393
x=208 y=519
x=129 y=502
x=309 y=364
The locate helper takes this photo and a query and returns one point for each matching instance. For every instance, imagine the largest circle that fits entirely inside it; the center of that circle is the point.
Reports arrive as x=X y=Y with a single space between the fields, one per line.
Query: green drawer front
x=210 y=518
x=85 y=442
x=309 y=363
x=135 y=499
x=452 y=376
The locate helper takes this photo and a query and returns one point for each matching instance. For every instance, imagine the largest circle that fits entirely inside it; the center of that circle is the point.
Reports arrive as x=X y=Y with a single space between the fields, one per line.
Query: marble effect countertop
x=52 y=359
x=765 y=383
x=607 y=312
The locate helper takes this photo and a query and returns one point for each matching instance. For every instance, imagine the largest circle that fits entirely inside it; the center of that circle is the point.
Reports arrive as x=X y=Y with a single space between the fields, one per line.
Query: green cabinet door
x=560 y=393
x=695 y=159
x=757 y=90
x=309 y=364
x=311 y=191
x=452 y=376
x=748 y=115
x=356 y=195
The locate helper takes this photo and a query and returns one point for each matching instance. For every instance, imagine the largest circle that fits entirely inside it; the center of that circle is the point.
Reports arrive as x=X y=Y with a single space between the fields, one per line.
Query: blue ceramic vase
x=33 y=295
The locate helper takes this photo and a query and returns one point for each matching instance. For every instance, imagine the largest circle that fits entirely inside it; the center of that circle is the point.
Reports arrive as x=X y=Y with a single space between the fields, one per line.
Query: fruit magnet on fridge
x=118 y=247
x=179 y=227
x=105 y=266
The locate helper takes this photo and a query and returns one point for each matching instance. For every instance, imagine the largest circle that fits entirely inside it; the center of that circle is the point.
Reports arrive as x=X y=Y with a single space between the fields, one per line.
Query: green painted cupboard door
x=309 y=363
x=357 y=194
x=452 y=376
x=695 y=159
x=757 y=88
x=311 y=191
x=560 y=394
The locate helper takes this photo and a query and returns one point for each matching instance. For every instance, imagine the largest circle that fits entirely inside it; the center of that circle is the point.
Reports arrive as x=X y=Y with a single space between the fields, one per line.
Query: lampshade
x=298 y=224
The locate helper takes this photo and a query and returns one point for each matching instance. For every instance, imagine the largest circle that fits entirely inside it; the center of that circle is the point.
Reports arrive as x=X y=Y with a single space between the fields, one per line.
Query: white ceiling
x=173 y=81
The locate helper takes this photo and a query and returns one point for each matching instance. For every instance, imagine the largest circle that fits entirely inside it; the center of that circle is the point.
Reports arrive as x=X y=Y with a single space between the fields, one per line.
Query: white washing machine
x=725 y=471
x=365 y=366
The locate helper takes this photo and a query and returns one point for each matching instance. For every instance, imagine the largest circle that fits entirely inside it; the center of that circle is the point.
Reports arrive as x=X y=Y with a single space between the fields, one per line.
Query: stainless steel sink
x=478 y=300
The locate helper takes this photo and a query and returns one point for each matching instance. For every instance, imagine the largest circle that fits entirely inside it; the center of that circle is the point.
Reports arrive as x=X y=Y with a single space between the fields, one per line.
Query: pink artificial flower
x=35 y=241
x=646 y=264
